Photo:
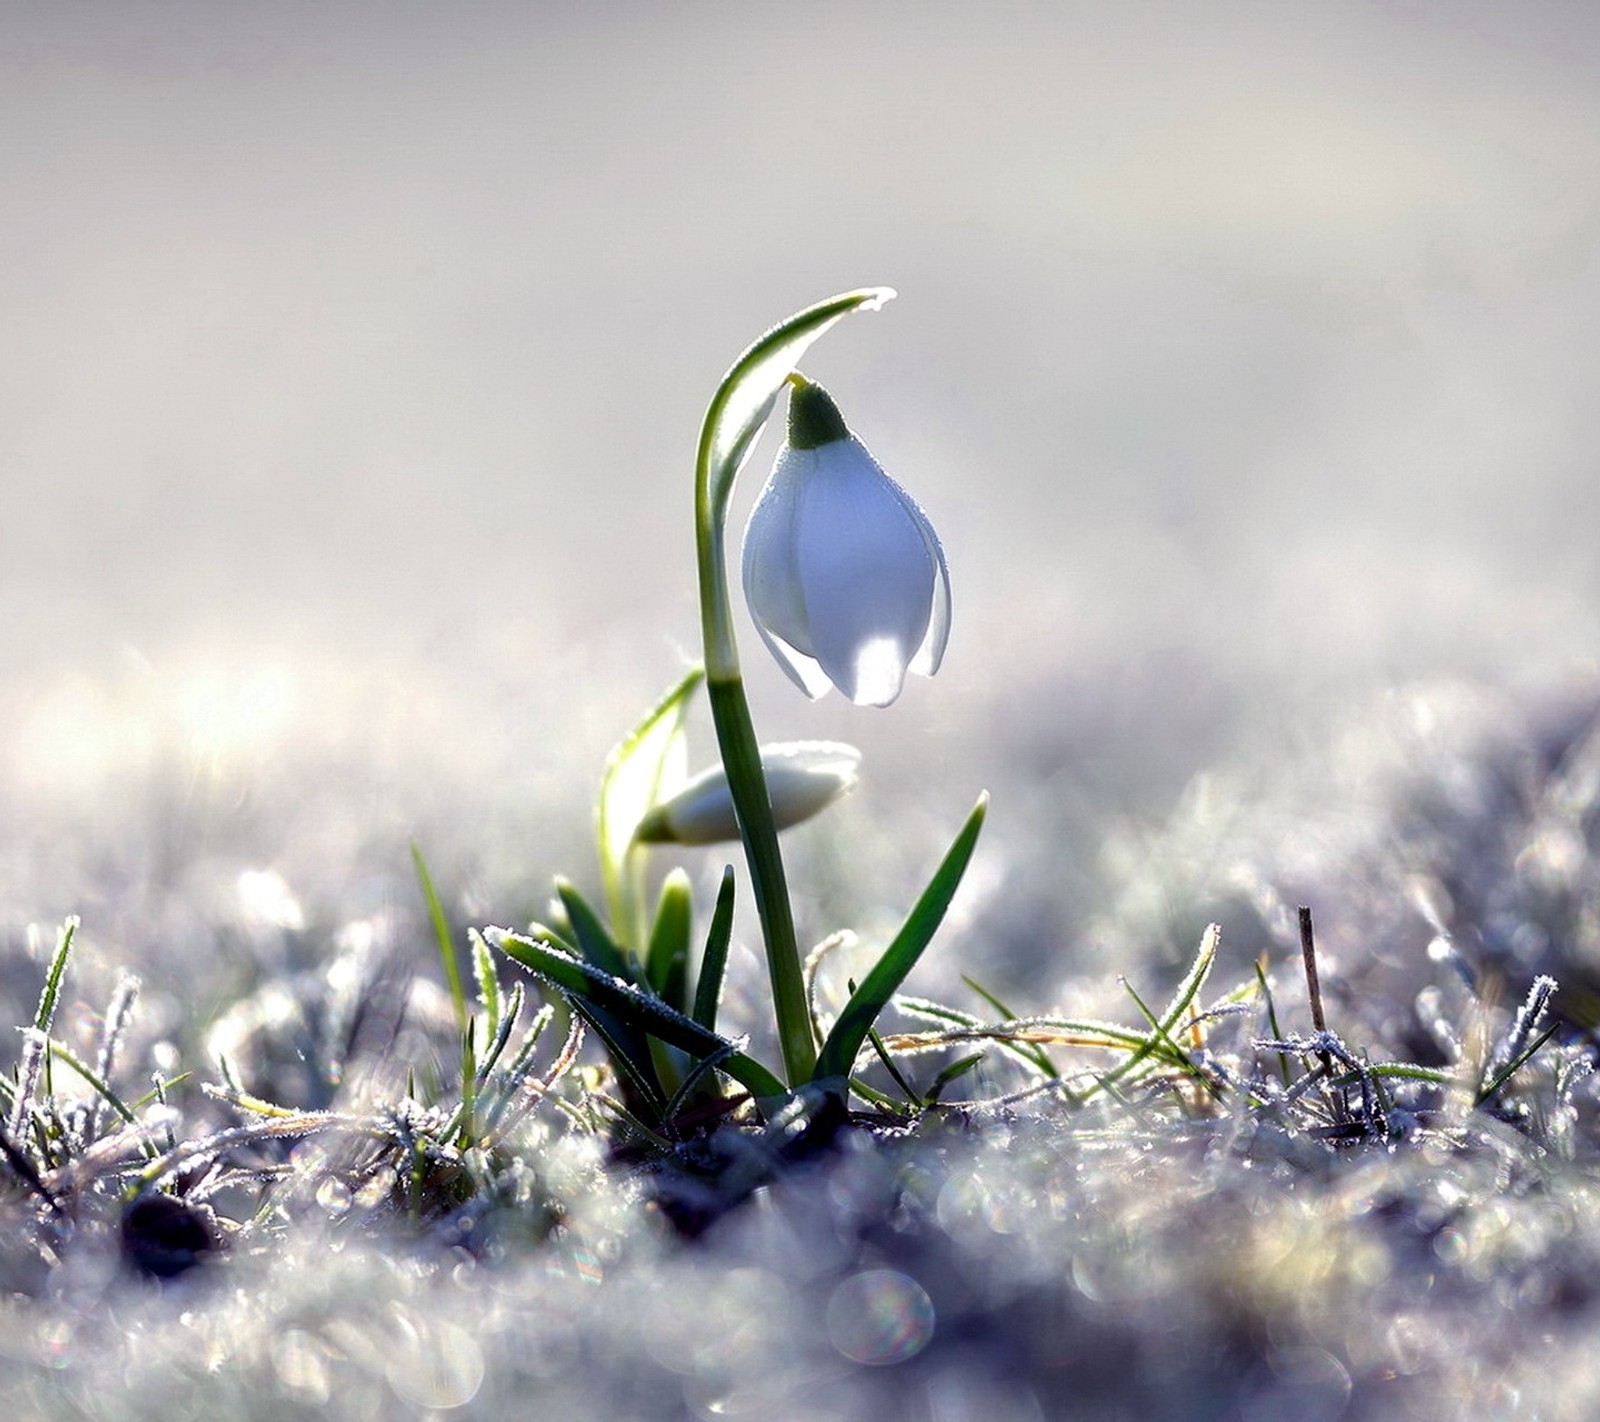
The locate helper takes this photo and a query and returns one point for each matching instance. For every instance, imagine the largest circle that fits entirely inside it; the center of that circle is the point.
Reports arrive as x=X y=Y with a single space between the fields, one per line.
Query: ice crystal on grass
x=1163 y=1189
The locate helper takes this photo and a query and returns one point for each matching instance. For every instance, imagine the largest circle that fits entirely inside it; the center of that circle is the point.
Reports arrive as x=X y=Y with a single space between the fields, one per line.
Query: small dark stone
x=163 y=1236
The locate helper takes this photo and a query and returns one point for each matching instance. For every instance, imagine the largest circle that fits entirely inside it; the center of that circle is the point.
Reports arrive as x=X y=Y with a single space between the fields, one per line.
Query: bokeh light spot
x=880 y=1317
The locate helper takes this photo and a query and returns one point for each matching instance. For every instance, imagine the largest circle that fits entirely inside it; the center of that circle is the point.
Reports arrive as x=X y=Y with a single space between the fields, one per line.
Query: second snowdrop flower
x=845 y=577
x=803 y=779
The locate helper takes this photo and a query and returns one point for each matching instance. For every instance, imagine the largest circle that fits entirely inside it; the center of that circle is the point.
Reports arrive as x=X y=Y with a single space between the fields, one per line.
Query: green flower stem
x=737 y=412
x=741 y=758
x=747 y=783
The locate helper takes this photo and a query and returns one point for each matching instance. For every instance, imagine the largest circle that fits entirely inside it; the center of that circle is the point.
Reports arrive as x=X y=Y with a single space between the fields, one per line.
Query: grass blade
x=1189 y=989
x=54 y=977
x=488 y=983
x=587 y=985
x=628 y=1046
x=628 y=1049
x=1036 y=1056
x=1516 y=1064
x=838 y=1054
x=441 y=932
x=593 y=938
x=101 y=1087
x=641 y=770
x=667 y=962
x=714 y=961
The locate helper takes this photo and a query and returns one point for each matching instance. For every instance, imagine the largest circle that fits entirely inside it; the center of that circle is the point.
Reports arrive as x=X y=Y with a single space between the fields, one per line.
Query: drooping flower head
x=845 y=577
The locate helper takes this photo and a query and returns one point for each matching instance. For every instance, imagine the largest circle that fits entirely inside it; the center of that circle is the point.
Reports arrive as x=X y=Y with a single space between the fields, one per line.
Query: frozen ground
x=1244 y=360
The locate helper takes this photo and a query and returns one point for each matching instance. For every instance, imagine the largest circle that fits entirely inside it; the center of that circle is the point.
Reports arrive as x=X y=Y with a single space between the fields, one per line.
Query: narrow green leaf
x=483 y=971
x=441 y=933
x=714 y=961
x=1400 y=1071
x=667 y=964
x=1036 y=1055
x=1516 y=1064
x=594 y=939
x=838 y=1054
x=469 y=1081
x=884 y=1102
x=956 y=1069
x=587 y=985
x=692 y=1079
x=1171 y=1051
x=1199 y=970
x=1272 y=1016
x=628 y=1049
x=63 y=1053
x=159 y=1091
x=501 y=1039
x=895 y=1074
x=55 y=975
x=1194 y=980
x=1058 y=1031
x=643 y=769
x=628 y=1046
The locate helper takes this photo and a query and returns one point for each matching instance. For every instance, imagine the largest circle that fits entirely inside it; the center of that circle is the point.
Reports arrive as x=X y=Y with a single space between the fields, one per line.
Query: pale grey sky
x=1234 y=341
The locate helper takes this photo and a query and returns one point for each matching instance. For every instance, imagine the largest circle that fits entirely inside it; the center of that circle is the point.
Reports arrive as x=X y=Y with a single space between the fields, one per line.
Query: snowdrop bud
x=803 y=778
x=844 y=575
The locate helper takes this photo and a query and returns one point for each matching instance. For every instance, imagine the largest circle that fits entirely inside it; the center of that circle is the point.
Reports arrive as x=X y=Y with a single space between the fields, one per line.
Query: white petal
x=805 y=672
x=771 y=567
x=772 y=576
x=866 y=573
x=931 y=652
x=804 y=777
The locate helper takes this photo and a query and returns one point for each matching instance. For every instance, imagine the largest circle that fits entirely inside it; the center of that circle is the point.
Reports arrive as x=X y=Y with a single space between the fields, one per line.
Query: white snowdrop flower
x=844 y=575
x=803 y=778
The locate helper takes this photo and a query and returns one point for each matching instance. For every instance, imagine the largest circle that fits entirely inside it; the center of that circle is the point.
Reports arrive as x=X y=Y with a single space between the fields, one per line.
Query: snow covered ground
x=355 y=356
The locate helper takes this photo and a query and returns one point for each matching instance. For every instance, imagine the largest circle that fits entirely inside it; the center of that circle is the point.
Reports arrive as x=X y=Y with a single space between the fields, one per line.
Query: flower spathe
x=845 y=577
x=803 y=778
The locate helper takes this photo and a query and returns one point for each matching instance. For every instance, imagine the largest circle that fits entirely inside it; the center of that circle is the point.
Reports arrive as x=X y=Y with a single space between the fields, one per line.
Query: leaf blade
x=641 y=770
x=640 y=1009
x=844 y=1042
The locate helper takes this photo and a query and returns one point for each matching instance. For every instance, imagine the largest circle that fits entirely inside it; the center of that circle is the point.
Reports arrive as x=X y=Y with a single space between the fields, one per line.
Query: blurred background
x=355 y=354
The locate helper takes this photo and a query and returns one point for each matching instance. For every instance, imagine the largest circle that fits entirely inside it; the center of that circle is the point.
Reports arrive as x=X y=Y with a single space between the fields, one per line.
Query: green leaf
x=839 y=1052
x=63 y=1053
x=54 y=976
x=667 y=964
x=955 y=1070
x=441 y=933
x=587 y=986
x=488 y=983
x=1516 y=1064
x=1035 y=1055
x=1188 y=990
x=628 y=1049
x=641 y=771
x=594 y=940
x=714 y=961
x=51 y=996
x=628 y=1046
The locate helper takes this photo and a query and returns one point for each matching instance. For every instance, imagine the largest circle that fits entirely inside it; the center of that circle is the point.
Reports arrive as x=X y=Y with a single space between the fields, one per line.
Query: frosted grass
x=1130 y=1256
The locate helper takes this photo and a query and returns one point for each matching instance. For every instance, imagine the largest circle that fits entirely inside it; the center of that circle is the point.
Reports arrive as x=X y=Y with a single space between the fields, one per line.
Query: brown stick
x=1308 y=950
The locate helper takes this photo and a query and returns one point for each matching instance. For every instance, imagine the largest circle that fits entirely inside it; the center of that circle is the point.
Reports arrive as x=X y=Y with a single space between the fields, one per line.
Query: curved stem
x=737 y=412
